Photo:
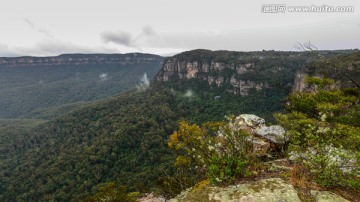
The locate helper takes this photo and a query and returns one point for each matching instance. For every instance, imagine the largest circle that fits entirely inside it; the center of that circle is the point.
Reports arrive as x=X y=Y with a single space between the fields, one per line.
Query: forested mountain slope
x=35 y=86
x=123 y=139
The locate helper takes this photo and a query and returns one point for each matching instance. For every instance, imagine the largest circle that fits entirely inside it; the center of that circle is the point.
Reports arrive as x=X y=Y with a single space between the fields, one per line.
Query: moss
x=200 y=185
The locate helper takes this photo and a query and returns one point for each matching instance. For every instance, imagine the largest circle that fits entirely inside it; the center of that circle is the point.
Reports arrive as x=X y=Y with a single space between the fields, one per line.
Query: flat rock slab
x=267 y=190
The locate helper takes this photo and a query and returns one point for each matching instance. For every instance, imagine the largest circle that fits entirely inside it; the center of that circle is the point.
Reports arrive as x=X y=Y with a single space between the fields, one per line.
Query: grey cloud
x=36 y=28
x=149 y=31
x=29 y=22
x=126 y=39
x=120 y=38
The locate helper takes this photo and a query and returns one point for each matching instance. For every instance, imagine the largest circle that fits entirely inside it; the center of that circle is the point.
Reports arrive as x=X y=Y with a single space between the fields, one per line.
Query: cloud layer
x=53 y=27
x=168 y=43
x=119 y=37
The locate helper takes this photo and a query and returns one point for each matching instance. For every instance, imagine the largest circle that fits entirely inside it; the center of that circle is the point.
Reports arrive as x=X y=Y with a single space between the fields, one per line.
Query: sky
x=167 y=27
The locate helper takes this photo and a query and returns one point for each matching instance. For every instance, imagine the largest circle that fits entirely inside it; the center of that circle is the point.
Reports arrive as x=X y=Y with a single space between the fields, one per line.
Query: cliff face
x=344 y=69
x=241 y=72
x=80 y=59
x=184 y=70
x=299 y=82
x=237 y=72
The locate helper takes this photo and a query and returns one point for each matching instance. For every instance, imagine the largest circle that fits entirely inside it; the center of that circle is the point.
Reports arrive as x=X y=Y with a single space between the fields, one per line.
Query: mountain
x=35 y=87
x=227 y=82
x=123 y=138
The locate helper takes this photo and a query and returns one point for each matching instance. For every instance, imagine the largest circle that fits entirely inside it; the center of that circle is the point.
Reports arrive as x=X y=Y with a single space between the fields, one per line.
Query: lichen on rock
x=266 y=190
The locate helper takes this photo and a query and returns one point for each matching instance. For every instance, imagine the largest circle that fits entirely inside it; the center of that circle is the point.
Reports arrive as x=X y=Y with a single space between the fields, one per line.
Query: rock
x=261 y=147
x=299 y=83
x=262 y=136
x=250 y=120
x=151 y=198
x=275 y=134
x=266 y=190
x=325 y=196
x=343 y=159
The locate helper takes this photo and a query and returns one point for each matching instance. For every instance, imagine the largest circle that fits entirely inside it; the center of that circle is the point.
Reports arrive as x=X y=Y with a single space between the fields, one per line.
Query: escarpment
x=236 y=72
x=80 y=59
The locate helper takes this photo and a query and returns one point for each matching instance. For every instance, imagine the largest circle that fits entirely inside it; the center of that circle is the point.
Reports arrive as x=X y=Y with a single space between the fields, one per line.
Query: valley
x=74 y=123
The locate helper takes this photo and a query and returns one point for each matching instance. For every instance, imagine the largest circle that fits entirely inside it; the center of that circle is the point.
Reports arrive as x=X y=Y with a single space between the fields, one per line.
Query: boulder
x=250 y=120
x=261 y=147
x=275 y=134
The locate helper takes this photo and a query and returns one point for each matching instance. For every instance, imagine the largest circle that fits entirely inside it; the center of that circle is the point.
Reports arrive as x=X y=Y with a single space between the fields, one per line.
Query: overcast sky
x=49 y=27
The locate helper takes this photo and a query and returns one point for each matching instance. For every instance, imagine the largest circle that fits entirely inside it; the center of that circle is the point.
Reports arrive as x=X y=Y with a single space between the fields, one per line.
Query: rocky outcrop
x=256 y=125
x=266 y=190
x=263 y=137
x=243 y=87
x=343 y=159
x=81 y=59
x=299 y=83
x=275 y=134
x=249 y=120
x=152 y=198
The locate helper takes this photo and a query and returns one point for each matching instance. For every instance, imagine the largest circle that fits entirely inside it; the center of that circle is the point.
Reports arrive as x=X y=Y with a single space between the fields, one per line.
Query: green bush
x=227 y=169
x=323 y=128
x=218 y=150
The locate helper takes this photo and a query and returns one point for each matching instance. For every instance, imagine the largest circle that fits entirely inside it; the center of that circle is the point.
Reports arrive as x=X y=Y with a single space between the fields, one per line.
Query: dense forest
x=123 y=139
x=46 y=87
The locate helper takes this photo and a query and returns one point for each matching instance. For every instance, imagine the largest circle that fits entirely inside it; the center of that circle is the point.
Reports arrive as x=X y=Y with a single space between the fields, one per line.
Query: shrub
x=323 y=128
x=219 y=151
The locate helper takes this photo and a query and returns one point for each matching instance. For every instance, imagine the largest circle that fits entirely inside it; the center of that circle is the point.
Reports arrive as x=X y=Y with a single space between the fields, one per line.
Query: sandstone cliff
x=237 y=72
x=344 y=69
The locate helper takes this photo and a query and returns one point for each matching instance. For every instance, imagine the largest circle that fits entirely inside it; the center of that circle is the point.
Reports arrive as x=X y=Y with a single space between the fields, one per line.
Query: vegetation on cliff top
x=124 y=140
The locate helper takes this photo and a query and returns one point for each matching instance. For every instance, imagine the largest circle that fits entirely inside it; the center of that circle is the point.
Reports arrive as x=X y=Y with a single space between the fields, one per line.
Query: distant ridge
x=80 y=59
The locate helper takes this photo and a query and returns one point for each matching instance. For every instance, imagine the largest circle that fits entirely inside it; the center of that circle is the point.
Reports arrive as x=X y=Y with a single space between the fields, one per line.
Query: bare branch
x=312 y=48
